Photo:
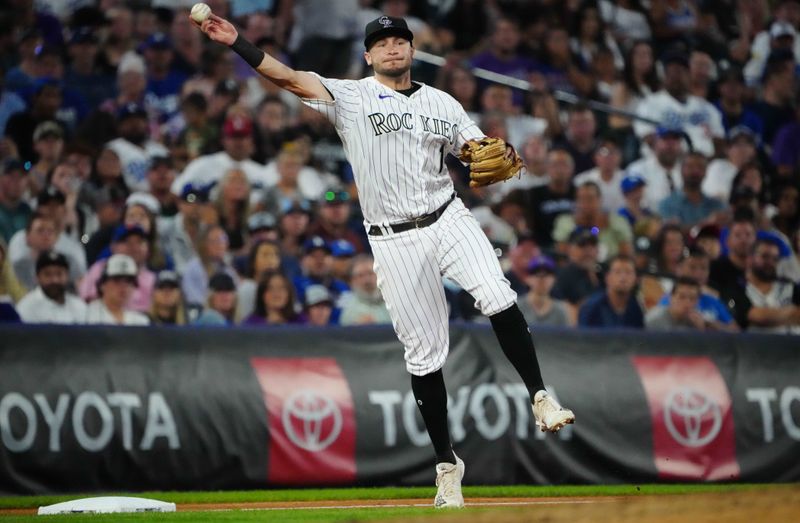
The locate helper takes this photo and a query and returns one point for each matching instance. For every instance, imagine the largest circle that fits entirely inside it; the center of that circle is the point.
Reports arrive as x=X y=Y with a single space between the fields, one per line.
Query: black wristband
x=250 y=53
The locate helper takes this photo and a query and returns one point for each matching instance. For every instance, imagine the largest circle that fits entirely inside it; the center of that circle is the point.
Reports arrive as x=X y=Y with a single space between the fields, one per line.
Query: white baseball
x=200 y=12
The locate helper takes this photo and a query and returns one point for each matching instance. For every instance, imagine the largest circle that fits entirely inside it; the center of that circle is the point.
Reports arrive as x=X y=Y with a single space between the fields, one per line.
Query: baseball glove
x=490 y=160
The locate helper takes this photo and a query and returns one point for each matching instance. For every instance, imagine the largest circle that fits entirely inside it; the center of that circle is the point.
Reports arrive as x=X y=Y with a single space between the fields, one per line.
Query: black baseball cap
x=386 y=26
x=582 y=236
x=167 y=279
x=50 y=258
x=222 y=282
x=50 y=194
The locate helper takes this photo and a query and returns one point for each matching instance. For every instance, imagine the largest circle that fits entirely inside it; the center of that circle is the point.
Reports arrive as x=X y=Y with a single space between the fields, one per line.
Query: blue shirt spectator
x=616 y=306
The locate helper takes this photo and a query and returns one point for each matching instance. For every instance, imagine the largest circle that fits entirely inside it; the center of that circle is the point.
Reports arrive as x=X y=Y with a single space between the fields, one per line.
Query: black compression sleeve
x=250 y=53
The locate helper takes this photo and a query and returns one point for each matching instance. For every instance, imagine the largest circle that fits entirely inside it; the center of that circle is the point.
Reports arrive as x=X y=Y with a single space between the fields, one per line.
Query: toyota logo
x=692 y=418
x=384 y=21
x=311 y=421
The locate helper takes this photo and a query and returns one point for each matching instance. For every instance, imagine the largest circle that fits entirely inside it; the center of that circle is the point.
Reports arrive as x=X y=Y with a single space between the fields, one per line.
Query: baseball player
x=396 y=134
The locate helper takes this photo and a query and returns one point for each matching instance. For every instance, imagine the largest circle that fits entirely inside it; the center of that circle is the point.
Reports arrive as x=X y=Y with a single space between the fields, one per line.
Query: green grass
x=336 y=494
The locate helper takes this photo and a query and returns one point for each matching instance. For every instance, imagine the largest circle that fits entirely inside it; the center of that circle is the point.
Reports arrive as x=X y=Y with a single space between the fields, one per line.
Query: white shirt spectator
x=135 y=160
x=611 y=191
x=36 y=307
x=761 y=49
x=719 y=179
x=658 y=180
x=98 y=314
x=19 y=255
x=311 y=183
x=701 y=121
x=210 y=168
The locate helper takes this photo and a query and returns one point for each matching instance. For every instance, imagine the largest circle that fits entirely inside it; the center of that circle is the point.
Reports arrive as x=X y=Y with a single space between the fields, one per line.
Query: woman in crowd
x=233 y=206
x=213 y=257
x=275 y=302
x=265 y=256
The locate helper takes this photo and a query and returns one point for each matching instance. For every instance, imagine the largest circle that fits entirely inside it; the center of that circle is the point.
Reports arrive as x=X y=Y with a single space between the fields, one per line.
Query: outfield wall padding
x=106 y=409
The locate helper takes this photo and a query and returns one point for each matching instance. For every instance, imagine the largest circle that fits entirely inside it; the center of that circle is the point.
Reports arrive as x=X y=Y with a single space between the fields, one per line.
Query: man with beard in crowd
x=765 y=303
x=134 y=146
x=50 y=302
x=364 y=305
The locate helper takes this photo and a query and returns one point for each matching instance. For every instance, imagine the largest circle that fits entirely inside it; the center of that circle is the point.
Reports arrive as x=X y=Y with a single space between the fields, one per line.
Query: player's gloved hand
x=490 y=160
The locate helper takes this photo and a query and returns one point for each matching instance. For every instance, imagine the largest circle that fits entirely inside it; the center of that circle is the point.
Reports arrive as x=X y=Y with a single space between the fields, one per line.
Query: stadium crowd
x=149 y=176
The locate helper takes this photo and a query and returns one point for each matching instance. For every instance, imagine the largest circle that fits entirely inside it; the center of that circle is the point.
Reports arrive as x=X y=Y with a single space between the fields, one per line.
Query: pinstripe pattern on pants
x=410 y=266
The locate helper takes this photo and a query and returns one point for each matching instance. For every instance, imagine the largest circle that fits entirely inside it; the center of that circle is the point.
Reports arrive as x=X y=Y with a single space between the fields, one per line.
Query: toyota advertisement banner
x=101 y=409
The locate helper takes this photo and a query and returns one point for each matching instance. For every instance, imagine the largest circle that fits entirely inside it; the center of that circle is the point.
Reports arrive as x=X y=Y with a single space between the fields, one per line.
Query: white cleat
x=549 y=415
x=448 y=481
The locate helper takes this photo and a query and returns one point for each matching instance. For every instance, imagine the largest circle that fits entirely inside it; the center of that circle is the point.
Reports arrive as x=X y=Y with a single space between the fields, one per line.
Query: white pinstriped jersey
x=396 y=144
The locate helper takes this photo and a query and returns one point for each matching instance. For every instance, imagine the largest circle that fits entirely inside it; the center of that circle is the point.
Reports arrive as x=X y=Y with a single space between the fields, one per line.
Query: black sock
x=515 y=339
x=431 y=399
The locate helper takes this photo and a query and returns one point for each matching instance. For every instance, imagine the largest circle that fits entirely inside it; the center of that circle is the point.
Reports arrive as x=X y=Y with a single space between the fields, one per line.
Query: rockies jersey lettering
x=396 y=145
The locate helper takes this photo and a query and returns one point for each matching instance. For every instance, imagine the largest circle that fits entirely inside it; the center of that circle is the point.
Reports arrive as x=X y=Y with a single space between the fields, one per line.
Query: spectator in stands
x=212 y=258
x=544 y=204
x=272 y=126
x=44 y=104
x=48 y=145
x=233 y=207
x=632 y=187
x=728 y=271
x=777 y=91
x=14 y=210
x=740 y=151
x=343 y=253
x=167 y=308
x=702 y=73
x=21 y=76
x=200 y=135
x=668 y=250
x=782 y=33
x=695 y=267
x=264 y=257
x=579 y=137
x=115 y=288
x=675 y=107
x=538 y=307
x=606 y=173
x=50 y=302
x=130 y=240
x=689 y=206
x=562 y=69
x=131 y=82
x=787 y=205
x=220 y=309
x=10 y=287
x=662 y=170
x=612 y=230
x=134 y=147
x=593 y=37
x=293 y=223
x=364 y=305
x=765 y=303
x=160 y=178
x=319 y=307
x=616 y=306
x=581 y=276
x=706 y=239
x=40 y=235
x=499 y=99
x=317 y=263
x=639 y=79
x=106 y=172
x=83 y=75
x=178 y=236
x=731 y=104
x=79 y=220
x=327 y=35
x=519 y=256
x=296 y=180
x=333 y=219
x=503 y=56
x=681 y=313
x=785 y=153
x=164 y=79
x=275 y=300
x=237 y=144
x=627 y=19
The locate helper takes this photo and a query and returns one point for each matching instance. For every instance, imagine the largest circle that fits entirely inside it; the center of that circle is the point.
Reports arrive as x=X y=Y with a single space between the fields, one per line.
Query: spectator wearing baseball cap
x=164 y=78
x=167 y=308
x=580 y=277
x=707 y=239
x=741 y=149
x=160 y=178
x=134 y=147
x=116 y=287
x=633 y=187
x=343 y=253
x=319 y=307
x=538 y=307
x=732 y=103
x=14 y=210
x=237 y=144
x=131 y=241
x=333 y=219
x=82 y=74
x=220 y=308
x=194 y=212
x=317 y=267
x=50 y=302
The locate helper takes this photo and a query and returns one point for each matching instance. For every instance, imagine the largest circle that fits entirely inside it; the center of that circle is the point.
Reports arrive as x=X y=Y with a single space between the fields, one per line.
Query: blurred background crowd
x=149 y=176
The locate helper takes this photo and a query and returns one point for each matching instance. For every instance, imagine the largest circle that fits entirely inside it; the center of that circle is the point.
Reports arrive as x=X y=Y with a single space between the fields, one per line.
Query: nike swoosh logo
x=382 y=96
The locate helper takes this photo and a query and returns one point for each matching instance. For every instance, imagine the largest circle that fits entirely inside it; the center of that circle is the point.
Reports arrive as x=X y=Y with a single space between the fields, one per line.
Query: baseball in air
x=200 y=12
